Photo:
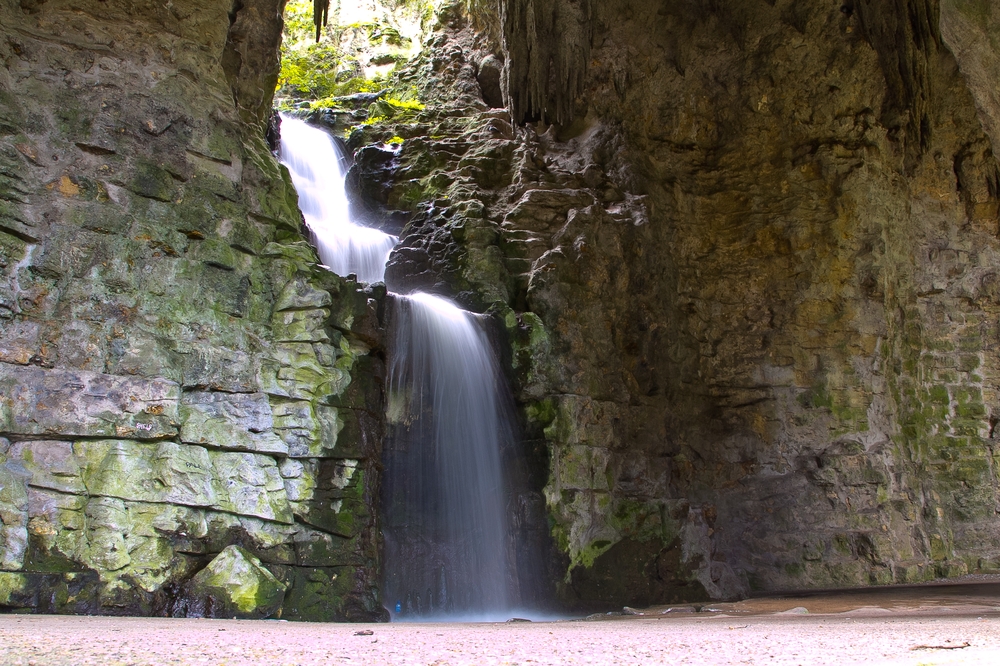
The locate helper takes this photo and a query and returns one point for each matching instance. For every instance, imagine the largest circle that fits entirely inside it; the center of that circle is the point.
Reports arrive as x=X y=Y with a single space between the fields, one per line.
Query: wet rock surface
x=234 y=585
x=184 y=394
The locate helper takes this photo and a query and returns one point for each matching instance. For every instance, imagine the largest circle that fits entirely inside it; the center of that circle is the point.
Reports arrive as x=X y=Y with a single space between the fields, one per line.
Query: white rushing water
x=445 y=527
x=344 y=247
x=445 y=523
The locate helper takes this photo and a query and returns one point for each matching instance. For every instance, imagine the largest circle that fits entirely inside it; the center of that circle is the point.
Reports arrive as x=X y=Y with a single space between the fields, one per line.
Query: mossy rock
x=234 y=584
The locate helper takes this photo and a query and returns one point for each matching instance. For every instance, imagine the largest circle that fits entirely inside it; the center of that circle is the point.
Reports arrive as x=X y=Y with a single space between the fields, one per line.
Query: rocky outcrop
x=747 y=290
x=549 y=43
x=972 y=32
x=234 y=584
x=178 y=377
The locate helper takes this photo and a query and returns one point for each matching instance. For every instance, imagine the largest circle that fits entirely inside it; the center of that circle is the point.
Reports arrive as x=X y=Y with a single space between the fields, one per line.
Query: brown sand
x=913 y=626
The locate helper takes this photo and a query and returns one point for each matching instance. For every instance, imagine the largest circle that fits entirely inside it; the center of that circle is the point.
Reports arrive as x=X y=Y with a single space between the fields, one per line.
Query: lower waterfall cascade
x=448 y=549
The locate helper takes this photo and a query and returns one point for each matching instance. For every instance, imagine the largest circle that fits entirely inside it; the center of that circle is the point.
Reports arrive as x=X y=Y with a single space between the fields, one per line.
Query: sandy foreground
x=900 y=627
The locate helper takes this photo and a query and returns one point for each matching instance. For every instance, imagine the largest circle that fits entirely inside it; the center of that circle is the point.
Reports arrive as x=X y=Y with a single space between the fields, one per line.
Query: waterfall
x=344 y=247
x=446 y=527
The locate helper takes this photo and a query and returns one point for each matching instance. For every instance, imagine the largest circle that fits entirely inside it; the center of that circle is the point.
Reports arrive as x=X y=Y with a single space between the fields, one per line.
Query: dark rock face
x=489 y=76
x=747 y=288
x=177 y=377
x=549 y=43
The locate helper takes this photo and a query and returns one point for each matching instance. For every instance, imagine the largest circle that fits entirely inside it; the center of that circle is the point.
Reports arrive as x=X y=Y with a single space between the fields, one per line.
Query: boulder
x=234 y=584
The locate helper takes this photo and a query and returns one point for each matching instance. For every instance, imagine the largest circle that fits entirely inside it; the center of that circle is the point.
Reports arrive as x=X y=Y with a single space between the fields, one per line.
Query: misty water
x=448 y=545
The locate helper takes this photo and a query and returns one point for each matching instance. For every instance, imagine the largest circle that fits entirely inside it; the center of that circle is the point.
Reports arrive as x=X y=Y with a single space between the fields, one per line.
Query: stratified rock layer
x=177 y=376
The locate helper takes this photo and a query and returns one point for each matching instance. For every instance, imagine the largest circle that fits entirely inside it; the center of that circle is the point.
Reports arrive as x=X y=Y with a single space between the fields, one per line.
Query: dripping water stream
x=446 y=528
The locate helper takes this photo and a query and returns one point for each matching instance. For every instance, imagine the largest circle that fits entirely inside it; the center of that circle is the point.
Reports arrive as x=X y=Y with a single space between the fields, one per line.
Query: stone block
x=300 y=294
x=74 y=592
x=163 y=472
x=170 y=473
x=301 y=325
x=319 y=549
x=13 y=515
x=107 y=525
x=330 y=494
x=39 y=401
x=219 y=369
x=323 y=594
x=300 y=480
x=545 y=210
x=215 y=252
x=19 y=342
x=253 y=486
x=51 y=465
x=296 y=371
x=238 y=421
x=581 y=467
x=296 y=423
x=365 y=388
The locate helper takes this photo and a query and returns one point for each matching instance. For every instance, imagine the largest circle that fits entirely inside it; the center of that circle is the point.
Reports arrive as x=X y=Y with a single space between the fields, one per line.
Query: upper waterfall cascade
x=448 y=544
x=344 y=247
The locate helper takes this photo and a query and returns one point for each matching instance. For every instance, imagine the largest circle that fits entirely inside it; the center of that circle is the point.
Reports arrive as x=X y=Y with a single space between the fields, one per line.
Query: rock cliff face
x=748 y=281
x=749 y=285
x=178 y=378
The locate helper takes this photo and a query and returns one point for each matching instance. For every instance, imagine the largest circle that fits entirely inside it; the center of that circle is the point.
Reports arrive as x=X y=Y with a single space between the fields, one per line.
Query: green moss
x=242 y=582
x=643 y=521
x=815 y=398
x=939 y=549
x=11 y=585
x=393 y=109
x=12 y=249
x=588 y=554
x=416 y=192
x=540 y=413
x=319 y=594
x=153 y=181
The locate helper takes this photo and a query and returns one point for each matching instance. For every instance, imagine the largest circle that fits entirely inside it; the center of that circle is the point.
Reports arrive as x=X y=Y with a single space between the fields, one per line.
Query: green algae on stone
x=318 y=594
x=12 y=585
x=236 y=584
x=13 y=515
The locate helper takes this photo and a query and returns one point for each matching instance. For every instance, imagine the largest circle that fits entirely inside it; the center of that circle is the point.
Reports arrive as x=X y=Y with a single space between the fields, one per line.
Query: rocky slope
x=178 y=378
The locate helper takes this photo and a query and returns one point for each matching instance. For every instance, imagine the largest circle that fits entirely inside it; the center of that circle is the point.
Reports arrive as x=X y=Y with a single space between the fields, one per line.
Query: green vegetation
x=393 y=109
x=348 y=58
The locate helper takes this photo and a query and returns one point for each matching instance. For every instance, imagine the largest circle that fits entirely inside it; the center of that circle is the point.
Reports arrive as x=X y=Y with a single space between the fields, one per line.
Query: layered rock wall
x=177 y=376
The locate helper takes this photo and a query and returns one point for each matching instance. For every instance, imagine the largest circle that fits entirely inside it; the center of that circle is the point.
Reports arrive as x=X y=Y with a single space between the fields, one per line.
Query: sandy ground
x=912 y=627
